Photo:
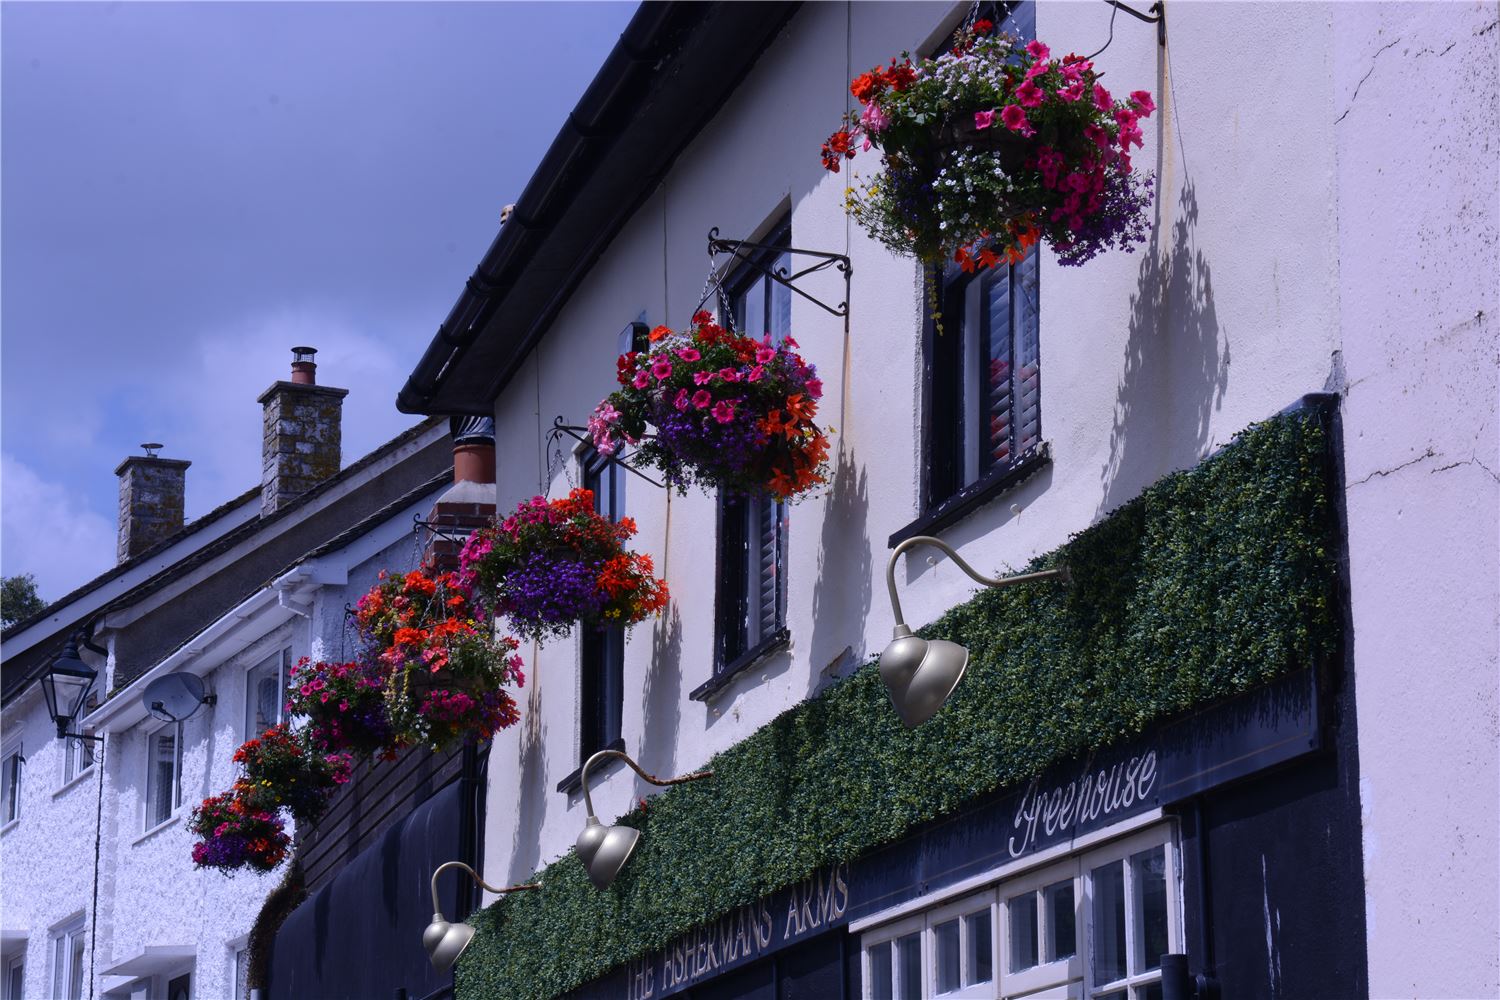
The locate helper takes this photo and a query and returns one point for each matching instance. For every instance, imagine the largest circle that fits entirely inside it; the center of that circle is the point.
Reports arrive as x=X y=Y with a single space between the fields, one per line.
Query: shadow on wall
x=531 y=807
x=1176 y=366
x=661 y=698
x=841 y=598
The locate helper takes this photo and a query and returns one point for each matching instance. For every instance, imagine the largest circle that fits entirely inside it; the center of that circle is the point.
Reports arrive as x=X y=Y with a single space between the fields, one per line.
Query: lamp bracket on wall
x=756 y=254
x=442 y=531
x=577 y=434
x=1160 y=20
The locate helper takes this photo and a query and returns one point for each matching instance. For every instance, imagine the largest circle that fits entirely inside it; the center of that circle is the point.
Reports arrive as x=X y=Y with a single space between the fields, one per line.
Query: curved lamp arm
x=1060 y=572
x=437 y=908
x=602 y=754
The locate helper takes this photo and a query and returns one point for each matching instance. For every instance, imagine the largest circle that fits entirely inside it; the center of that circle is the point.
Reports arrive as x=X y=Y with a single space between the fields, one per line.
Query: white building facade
x=1325 y=223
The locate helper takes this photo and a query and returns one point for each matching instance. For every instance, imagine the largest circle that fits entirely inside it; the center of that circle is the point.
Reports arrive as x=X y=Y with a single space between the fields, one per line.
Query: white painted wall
x=1276 y=247
x=1416 y=88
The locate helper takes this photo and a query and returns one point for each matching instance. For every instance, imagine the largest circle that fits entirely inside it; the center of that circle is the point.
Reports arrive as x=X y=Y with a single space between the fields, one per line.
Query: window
x=163 y=774
x=78 y=758
x=241 y=972
x=67 y=961
x=11 y=769
x=1093 y=926
x=750 y=612
x=14 y=985
x=265 y=692
x=602 y=652
x=984 y=380
x=180 y=987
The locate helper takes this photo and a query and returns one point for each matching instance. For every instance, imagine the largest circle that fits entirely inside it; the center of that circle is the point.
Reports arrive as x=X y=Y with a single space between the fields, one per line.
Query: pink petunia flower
x=1102 y=100
x=702 y=378
x=1030 y=95
x=815 y=388
x=984 y=119
x=701 y=399
x=1073 y=92
x=1142 y=100
x=874 y=120
x=1073 y=71
x=1015 y=120
x=681 y=402
x=723 y=411
x=729 y=374
x=765 y=355
x=641 y=380
x=1037 y=50
x=662 y=369
x=756 y=374
x=689 y=354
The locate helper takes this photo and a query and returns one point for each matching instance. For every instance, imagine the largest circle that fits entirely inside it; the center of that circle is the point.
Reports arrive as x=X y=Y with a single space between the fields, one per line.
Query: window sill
x=73 y=782
x=976 y=495
x=158 y=828
x=10 y=826
x=574 y=782
x=775 y=641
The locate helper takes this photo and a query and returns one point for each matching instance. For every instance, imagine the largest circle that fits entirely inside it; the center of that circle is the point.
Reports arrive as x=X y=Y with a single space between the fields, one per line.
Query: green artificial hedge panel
x=1213 y=581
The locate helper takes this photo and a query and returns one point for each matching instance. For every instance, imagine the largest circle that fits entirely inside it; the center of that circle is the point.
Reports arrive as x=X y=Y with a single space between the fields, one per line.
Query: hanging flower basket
x=556 y=562
x=233 y=834
x=282 y=769
x=991 y=147
x=344 y=704
x=444 y=669
x=725 y=411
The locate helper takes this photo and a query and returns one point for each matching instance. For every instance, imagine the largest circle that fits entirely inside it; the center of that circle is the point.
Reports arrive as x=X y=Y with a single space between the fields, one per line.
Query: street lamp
x=920 y=674
x=66 y=686
x=444 y=941
x=605 y=849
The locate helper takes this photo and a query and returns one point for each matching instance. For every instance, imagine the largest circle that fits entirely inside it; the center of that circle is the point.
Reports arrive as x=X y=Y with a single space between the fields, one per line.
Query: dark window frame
x=739 y=643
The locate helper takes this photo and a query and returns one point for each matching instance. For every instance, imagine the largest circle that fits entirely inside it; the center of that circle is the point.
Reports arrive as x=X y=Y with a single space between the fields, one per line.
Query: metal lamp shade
x=919 y=674
x=604 y=850
x=66 y=686
x=445 y=942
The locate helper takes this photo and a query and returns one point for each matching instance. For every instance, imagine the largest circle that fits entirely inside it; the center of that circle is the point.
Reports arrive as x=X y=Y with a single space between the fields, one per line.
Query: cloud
x=48 y=531
x=206 y=409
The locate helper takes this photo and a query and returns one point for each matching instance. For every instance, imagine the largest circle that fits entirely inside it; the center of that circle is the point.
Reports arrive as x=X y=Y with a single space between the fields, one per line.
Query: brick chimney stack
x=470 y=502
x=152 y=490
x=303 y=433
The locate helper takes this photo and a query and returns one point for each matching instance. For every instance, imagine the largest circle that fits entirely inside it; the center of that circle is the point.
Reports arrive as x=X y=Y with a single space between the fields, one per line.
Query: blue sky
x=189 y=189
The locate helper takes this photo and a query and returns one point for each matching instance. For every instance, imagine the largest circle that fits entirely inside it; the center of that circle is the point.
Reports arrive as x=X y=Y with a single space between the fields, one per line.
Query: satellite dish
x=174 y=697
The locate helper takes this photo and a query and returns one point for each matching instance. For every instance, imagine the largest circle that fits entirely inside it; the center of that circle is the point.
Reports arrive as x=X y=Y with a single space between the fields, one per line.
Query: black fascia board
x=671 y=71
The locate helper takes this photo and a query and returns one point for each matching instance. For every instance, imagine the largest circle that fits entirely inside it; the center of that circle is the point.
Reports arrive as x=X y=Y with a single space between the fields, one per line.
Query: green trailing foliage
x=1213 y=581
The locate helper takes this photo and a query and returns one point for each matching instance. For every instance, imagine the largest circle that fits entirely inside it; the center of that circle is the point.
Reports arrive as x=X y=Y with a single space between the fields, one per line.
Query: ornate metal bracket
x=1160 y=20
x=440 y=530
x=753 y=254
x=576 y=433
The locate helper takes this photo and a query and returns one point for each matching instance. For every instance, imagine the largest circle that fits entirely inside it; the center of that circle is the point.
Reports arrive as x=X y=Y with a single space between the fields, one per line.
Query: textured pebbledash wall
x=1211 y=582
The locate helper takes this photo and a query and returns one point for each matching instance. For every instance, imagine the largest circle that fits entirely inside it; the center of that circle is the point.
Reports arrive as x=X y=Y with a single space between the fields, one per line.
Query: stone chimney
x=151 y=501
x=470 y=502
x=302 y=423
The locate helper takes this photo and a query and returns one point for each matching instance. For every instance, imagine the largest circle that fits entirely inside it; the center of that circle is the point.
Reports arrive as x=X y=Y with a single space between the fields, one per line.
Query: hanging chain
x=709 y=284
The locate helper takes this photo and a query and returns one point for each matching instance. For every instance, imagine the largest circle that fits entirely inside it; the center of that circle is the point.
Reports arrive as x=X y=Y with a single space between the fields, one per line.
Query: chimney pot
x=304 y=368
x=469 y=503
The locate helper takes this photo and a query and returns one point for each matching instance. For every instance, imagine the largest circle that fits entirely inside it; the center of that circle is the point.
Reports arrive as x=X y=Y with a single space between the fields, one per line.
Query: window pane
x=15 y=980
x=263 y=696
x=242 y=974
x=909 y=967
x=1116 y=995
x=1149 y=869
x=1151 y=991
x=754 y=311
x=945 y=941
x=1027 y=356
x=75 y=969
x=59 y=965
x=981 y=947
x=1109 y=923
x=781 y=301
x=161 y=777
x=11 y=775
x=881 y=987
x=1062 y=937
x=995 y=378
x=1022 y=932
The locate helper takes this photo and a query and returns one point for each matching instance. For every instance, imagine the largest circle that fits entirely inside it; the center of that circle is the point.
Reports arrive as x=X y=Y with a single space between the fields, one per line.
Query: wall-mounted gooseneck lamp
x=444 y=941
x=920 y=674
x=605 y=849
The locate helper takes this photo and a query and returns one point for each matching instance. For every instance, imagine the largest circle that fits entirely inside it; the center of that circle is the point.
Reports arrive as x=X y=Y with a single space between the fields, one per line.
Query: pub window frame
x=258 y=673
x=1073 y=975
x=68 y=945
x=12 y=783
x=151 y=817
